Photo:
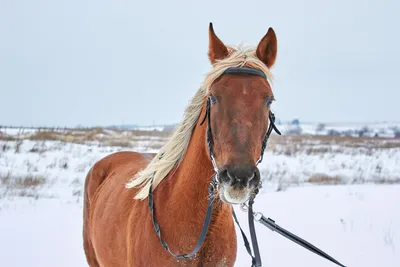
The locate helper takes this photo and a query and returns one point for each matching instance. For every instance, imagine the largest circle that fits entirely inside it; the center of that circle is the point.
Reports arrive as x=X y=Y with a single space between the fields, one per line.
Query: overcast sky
x=98 y=62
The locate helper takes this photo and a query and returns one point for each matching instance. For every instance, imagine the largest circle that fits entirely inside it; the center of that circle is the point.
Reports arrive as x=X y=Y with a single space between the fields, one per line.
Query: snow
x=42 y=233
x=358 y=225
x=381 y=129
x=357 y=222
x=349 y=165
x=64 y=165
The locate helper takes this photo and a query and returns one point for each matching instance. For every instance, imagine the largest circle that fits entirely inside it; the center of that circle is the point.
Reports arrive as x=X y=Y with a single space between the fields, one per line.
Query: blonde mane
x=173 y=151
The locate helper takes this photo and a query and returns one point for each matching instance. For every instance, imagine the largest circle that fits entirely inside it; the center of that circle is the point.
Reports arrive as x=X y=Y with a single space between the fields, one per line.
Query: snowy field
x=359 y=225
x=339 y=193
x=380 y=129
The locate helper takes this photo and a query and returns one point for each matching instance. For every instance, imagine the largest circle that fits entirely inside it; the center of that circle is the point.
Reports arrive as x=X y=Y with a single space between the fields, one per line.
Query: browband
x=245 y=71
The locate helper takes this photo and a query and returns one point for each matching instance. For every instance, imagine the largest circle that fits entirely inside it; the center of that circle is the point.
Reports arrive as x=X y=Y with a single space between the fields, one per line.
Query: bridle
x=256 y=259
x=207 y=116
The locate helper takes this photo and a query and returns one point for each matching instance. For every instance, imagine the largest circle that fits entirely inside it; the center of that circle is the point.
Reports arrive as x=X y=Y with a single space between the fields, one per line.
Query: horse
x=119 y=224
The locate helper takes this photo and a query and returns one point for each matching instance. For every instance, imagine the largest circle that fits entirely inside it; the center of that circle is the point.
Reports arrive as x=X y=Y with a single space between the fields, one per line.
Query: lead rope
x=252 y=229
x=256 y=259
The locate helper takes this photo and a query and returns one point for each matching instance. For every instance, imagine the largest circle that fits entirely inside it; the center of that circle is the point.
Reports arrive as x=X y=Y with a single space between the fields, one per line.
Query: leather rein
x=256 y=259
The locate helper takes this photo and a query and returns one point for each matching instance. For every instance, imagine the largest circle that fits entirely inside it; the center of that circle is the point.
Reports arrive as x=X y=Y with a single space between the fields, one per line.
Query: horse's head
x=239 y=117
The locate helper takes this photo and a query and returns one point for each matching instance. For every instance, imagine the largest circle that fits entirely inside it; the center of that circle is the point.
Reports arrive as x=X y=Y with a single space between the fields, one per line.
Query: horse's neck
x=195 y=172
x=183 y=195
x=182 y=201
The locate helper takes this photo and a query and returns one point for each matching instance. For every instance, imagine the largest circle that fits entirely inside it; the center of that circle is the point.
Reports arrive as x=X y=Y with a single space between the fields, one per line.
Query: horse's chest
x=219 y=250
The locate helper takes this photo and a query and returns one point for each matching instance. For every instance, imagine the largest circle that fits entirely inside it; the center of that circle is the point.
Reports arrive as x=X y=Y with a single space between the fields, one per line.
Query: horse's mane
x=173 y=151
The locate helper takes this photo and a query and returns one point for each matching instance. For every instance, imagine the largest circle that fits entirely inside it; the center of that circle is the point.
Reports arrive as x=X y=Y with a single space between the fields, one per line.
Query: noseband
x=256 y=259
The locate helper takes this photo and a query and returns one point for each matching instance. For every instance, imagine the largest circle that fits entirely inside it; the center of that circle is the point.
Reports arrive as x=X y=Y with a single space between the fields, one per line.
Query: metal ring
x=257 y=216
x=244 y=207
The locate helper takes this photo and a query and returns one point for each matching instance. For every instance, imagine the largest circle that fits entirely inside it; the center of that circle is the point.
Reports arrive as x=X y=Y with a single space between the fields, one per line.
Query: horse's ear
x=216 y=48
x=267 y=48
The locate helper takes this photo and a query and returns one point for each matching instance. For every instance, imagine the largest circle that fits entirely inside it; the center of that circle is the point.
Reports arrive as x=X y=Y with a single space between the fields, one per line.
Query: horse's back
x=115 y=170
x=126 y=162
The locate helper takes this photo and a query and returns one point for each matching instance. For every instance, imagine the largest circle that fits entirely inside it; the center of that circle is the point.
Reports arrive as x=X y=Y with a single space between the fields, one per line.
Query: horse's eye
x=269 y=101
x=213 y=99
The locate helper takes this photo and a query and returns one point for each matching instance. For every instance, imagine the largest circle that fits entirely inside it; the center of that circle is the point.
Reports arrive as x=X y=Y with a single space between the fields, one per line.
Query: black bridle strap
x=209 y=138
x=245 y=240
x=244 y=70
x=268 y=222
x=256 y=259
x=257 y=262
x=206 y=224
x=271 y=127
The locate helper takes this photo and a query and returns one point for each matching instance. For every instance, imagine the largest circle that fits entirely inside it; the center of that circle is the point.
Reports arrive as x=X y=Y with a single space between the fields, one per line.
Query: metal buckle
x=257 y=216
x=244 y=207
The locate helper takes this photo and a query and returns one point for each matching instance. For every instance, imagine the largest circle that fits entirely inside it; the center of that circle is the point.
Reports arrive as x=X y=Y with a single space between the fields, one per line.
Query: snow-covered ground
x=61 y=166
x=357 y=221
x=359 y=225
x=294 y=162
x=381 y=129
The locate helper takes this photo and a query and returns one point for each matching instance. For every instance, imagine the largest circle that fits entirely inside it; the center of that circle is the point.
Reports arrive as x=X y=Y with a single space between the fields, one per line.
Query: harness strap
x=245 y=240
x=245 y=70
x=271 y=127
x=209 y=138
x=282 y=231
x=253 y=235
x=207 y=219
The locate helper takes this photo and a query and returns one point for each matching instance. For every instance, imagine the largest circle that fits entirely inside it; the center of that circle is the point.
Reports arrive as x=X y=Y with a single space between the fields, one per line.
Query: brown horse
x=118 y=229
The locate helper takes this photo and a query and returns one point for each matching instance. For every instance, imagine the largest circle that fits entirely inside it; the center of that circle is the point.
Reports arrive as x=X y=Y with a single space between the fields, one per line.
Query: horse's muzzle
x=237 y=182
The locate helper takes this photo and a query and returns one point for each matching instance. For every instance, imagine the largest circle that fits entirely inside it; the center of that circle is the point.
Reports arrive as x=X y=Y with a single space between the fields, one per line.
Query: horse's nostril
x=240 y=176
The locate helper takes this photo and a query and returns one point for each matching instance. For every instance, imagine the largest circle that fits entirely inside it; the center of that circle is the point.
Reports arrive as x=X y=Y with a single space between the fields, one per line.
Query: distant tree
x=363 y=132
x=396 y=132
x=320 y=127
x=333 y=132
x=294 y=129
x=296 y=122
x=349 y=133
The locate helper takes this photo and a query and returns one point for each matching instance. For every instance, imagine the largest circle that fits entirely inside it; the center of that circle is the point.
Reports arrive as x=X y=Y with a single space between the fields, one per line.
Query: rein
x=211 y=189
x=269 y=223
